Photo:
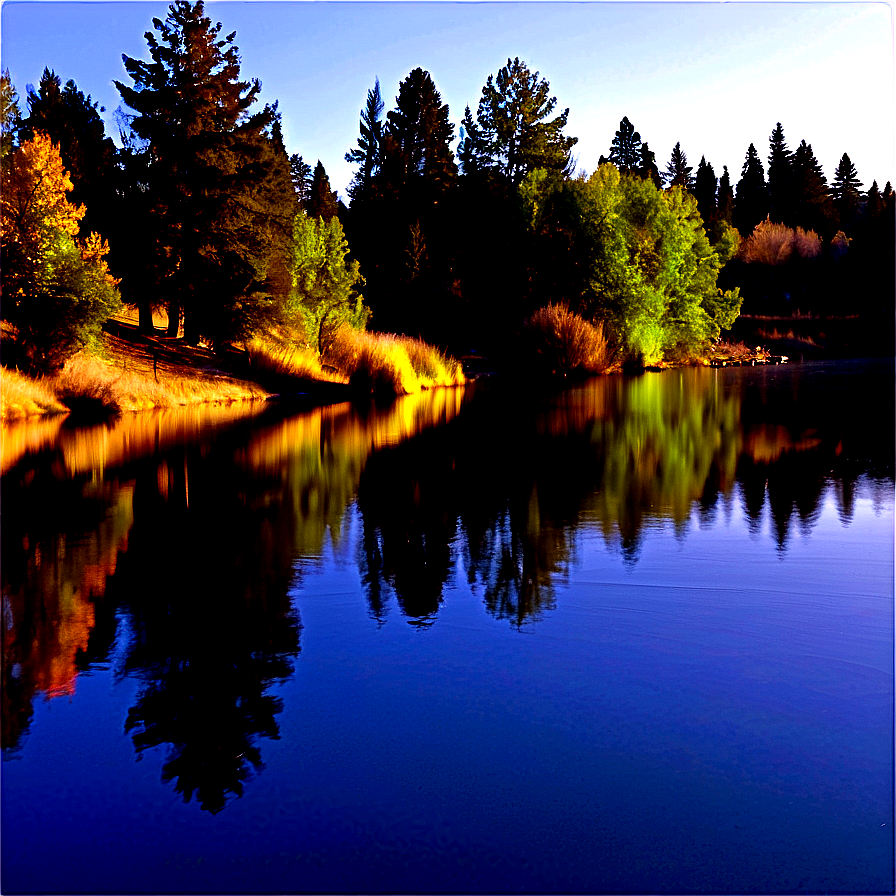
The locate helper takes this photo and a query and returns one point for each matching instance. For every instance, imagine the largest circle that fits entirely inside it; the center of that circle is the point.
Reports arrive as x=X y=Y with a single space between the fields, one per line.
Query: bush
x=561 y=342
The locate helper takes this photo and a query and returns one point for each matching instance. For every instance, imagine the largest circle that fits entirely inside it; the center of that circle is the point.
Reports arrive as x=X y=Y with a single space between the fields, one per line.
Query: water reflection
x=189 y=531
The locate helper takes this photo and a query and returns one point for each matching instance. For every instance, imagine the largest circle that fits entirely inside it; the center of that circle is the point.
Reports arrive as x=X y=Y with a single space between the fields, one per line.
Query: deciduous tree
x=57 y=290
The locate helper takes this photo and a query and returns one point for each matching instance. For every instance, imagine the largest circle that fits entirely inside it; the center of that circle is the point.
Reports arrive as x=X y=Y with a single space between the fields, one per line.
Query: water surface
x=632 y=636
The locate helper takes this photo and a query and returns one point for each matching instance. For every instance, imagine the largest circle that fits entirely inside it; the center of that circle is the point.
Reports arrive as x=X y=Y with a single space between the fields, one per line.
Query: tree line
x=202 y=212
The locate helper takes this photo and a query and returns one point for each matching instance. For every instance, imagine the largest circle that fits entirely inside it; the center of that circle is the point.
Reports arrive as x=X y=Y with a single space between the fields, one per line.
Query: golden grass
x=270 y=357
x=87 y=379
x=383 y=362
x=21 y=396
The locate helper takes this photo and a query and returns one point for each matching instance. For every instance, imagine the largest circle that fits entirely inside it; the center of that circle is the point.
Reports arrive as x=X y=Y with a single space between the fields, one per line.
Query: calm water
x=636 y=636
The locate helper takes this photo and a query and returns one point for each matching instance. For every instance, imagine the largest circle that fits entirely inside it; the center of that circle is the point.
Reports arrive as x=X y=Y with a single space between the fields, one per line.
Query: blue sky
x=714 y=76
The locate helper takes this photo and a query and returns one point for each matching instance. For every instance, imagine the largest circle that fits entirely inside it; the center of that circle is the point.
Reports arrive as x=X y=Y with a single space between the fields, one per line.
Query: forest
x=485 y=239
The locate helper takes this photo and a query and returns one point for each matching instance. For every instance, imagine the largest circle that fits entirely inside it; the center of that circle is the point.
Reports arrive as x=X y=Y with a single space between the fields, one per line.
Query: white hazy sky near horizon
x=714 y=76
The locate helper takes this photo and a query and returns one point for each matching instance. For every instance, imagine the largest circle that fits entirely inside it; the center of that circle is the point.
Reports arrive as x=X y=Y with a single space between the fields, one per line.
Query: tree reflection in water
x=194 y=527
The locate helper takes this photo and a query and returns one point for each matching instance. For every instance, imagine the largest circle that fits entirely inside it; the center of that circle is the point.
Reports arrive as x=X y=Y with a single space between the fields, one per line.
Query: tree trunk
x=174 y=312
x=144 y=316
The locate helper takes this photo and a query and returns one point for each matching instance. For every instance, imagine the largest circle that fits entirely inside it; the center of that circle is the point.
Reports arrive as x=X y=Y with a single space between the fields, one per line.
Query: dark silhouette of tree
x=403 y=232
x=846 y=192
x=678 y=172
x=813 y=209
x=647 y=169
x=322 y=201
x=301 y=178
x=10 y=116
x=704 y=191
x=780 y=178
x=725 y=197
x=751 y=204
x=211 y=171
x=513 y=133
x=367 y=153
x=625 y=150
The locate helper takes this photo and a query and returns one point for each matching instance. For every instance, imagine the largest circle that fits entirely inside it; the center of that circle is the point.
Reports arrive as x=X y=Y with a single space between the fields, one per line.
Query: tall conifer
x=751 y=203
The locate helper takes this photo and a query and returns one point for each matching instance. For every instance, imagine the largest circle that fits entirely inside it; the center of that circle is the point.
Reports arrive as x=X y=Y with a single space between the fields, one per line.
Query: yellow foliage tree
x=56 y=291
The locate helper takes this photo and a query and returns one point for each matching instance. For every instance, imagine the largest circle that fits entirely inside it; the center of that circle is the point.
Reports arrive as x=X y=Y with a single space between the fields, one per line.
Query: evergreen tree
x=417 y=160
x=813 y=209
x=10 y=116
x=725 y=197
x=212 y=177
x=322 y=201
x=780 y=178
x=301 y=174
x=678 y=172
x=846 y=192
x=647 y=169
x=874 y=202
x=625 y=150
x=751 y=205
x=705 y=190
x=367 y=153
x=72 y=121
x=513 y=133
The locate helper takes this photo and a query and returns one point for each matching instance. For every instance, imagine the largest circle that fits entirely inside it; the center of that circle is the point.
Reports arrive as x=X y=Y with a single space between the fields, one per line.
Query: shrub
x=563 y=342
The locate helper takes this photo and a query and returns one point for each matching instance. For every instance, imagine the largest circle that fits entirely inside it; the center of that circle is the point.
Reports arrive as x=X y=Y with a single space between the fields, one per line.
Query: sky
x=713 y=76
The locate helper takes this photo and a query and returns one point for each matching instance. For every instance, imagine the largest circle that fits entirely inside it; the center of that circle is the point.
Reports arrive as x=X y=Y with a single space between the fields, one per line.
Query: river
x=635 y=635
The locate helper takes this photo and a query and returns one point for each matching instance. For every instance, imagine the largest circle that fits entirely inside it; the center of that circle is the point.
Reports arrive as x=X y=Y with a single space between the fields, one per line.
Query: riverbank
x=135 y=371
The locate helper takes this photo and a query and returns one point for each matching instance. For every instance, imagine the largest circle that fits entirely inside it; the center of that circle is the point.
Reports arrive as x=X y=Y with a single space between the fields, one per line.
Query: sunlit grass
x=279 y=358
x=23 y=396
x=383 y=362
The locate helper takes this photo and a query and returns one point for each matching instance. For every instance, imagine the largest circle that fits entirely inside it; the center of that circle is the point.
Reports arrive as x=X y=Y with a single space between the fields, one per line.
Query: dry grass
x=21 y=396
x=563 y=342
x=382 y=362
x=269 y=357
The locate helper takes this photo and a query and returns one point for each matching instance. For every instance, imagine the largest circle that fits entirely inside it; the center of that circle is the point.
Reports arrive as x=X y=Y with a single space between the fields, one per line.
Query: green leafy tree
x=649 y=270
x=751 y=204
x=846 y=192
x=366 y=155
x=513 y=132
x=678 y=172
x=57 y=290
x=324 y=294
x=780 y=178
x=212 y=175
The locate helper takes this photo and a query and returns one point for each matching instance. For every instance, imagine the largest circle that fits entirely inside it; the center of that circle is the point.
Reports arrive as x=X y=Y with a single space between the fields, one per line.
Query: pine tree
x=513 y=133
x=705 y=190
x=213 y=190
x=625 y=150
x=647 y=169
x=678 y=173
x=322 y=201
x=10 y=116
x=751 y=204
x=846 y=192
x=367 y=153
x=780 y=178
x=813 y=209
x=301 y=174
x=725 y=197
